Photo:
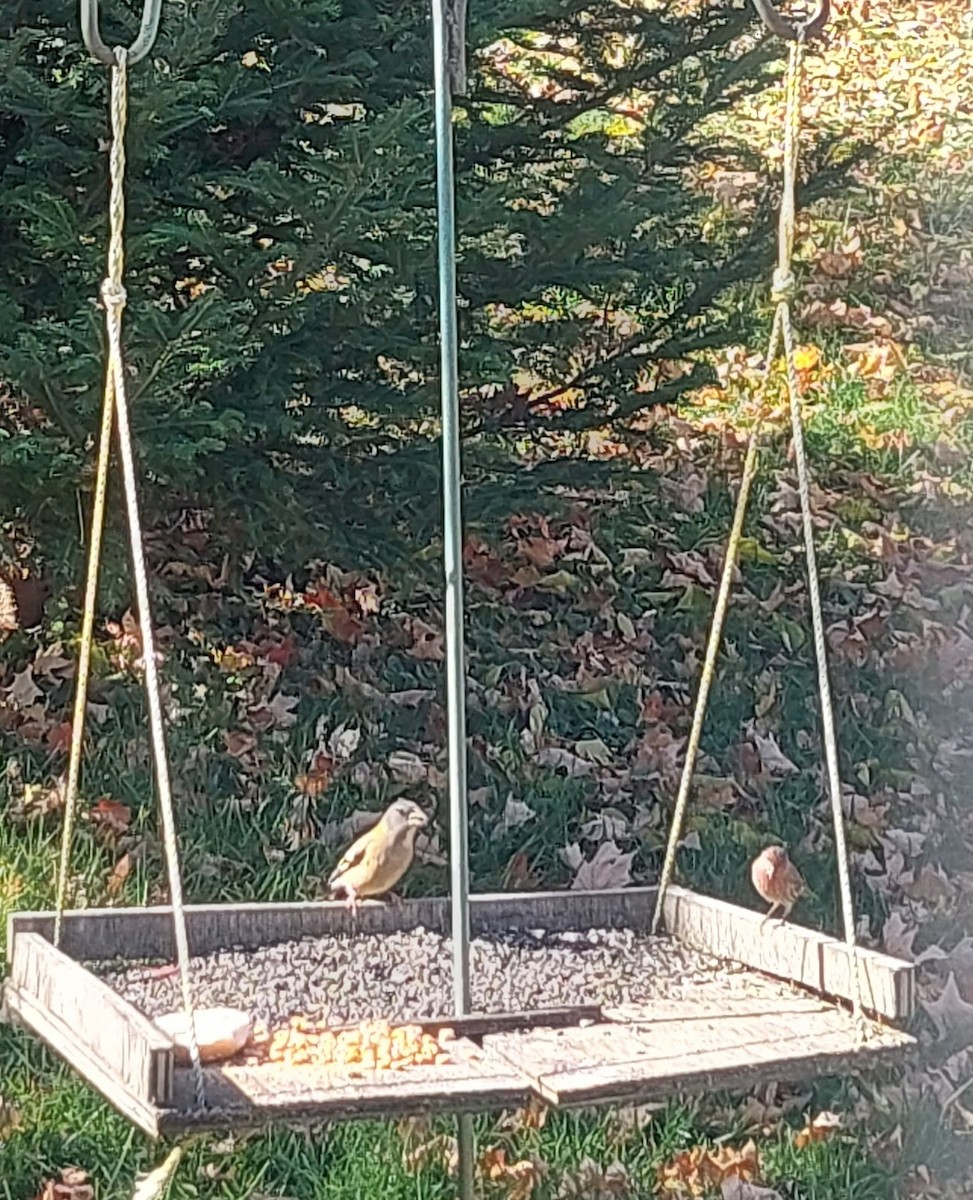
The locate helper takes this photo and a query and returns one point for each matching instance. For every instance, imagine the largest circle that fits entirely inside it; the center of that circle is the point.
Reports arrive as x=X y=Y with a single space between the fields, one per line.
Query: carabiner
x=151 y=11
x=813 y=27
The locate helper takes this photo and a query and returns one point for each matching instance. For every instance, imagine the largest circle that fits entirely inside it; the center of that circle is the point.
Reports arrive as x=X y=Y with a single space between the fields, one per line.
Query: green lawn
x=587 y=618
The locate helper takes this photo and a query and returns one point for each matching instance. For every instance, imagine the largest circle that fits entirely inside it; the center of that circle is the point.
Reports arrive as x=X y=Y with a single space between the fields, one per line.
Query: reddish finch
x=777 y=880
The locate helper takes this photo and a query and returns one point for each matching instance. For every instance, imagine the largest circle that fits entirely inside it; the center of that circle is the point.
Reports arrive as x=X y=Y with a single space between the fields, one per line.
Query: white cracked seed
x=409 y=975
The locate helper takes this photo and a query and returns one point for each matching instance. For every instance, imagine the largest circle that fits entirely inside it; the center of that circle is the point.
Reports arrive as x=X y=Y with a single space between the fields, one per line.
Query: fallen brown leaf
x=118 y=874
x=110 y=817
x=73 y=1185
x=818 y=1129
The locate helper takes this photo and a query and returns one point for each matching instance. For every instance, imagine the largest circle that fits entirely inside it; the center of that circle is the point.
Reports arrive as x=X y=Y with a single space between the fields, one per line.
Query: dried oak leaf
x=818 y=1129
x=515 y=814
x=127 y=637
x=58 y=737
x=340 y=622
x=898 y=937
x=541 y=552
x=282 y=652
x=519 y=1179
x=440 y=1149
x=950 y=1013
x=30 y=596
x=427 y=643
x=73 y=1185
x=609 y=868
x=238 y=744
x=773 y=760
x=277 y=714
x=316 y=779
x=118 y=874
x=39 y=801
x=110 y=817
x=23 y=691
x=532 y=1116
x=10 y=1119
x=695 y=1172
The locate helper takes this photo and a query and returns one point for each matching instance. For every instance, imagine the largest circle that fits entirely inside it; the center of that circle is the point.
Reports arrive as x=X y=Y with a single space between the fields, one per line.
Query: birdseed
x=408 y=975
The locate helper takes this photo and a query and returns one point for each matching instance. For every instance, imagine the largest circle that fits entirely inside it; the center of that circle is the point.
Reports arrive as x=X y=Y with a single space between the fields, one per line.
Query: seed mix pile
x=408 y=975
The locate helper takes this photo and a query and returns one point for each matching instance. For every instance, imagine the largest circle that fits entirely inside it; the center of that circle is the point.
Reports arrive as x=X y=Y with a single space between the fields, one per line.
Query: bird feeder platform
x=710 y=1040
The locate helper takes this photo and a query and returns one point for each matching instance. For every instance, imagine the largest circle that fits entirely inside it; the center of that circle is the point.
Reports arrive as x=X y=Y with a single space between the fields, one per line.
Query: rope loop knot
x=783 y=289
x=114 y=295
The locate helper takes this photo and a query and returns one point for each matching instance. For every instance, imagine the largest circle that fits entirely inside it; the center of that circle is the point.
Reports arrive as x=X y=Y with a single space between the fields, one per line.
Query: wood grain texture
x=241 y=1097
x=107 y=1039
x=91 y=935
x=681 y=1047
x=72 y=1048
x=476 y=1025
x=810 y=959
x=711 y=1040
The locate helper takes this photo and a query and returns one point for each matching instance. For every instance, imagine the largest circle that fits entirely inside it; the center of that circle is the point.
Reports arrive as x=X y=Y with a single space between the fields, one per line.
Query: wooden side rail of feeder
x=113 y=1045
x=805 y=957
x=791 y=952
x=566 y=1056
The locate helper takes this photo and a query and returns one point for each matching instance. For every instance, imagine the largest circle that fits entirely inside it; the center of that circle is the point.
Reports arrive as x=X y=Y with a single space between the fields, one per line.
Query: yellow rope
x=116 y=403
x=84 y=656
x=715 y=638
x=782 y=292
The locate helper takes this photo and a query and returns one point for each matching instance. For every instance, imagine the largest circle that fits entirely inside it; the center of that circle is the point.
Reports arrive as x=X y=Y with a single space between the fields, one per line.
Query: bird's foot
x=352 y=901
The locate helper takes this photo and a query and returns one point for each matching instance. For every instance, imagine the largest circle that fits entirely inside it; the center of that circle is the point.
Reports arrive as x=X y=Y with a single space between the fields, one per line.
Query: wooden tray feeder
x=569 y=1057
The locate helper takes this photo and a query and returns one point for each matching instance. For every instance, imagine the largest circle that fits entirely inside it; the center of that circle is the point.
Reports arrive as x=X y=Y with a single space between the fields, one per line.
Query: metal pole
x=453 y=554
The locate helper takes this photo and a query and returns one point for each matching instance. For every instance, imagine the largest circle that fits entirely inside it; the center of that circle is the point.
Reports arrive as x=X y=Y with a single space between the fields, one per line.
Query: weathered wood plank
x=125 y=1042
x=714 y=1003
x=787 y=951
x=69 y=1046
x=694 y=1051
x=633 y=1052
x=253 y=1096
x=97 y=934
x=476 y=1025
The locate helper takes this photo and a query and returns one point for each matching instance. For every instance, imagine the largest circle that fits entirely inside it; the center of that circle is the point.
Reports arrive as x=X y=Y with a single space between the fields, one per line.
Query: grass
x=59 y=1125
x=242 y=839
x=249 y=833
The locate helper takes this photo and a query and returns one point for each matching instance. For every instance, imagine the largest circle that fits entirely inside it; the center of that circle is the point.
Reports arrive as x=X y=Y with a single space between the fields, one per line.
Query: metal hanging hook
x=151 y=11
x=783 y=28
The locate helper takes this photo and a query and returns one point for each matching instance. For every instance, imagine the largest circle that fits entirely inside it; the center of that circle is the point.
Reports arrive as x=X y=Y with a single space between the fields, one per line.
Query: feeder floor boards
x=780 y=1013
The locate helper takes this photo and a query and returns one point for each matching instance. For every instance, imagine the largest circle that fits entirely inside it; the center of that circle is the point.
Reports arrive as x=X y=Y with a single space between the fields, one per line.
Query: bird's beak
x=419 y=819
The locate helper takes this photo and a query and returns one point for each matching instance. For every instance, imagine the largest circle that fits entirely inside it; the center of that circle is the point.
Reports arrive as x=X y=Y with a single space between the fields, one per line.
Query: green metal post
x=453 y=555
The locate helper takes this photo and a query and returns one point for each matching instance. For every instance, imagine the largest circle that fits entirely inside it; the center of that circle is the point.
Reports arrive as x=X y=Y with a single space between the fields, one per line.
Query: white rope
x=782 y=290
x=113 y=293
x=714 y=641
x=116 y=403
x=828 y=733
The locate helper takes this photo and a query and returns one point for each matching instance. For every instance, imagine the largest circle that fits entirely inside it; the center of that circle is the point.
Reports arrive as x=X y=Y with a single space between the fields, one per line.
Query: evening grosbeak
x=374 y=863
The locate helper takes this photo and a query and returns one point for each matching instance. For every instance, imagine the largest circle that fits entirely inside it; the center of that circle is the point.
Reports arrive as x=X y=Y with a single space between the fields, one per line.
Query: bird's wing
x=351 y=857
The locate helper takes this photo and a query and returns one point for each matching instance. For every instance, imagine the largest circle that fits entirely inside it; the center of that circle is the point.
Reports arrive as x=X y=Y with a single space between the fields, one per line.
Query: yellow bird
x=374 y=863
